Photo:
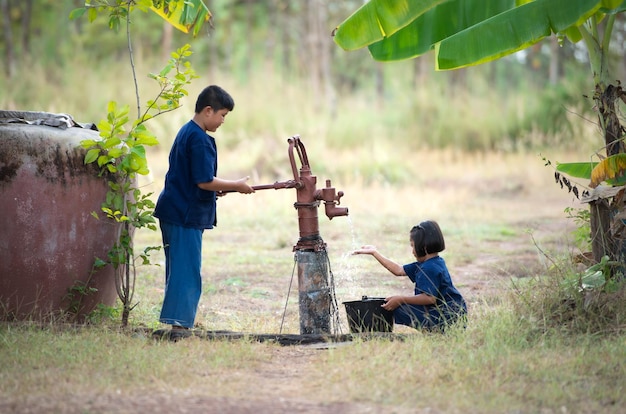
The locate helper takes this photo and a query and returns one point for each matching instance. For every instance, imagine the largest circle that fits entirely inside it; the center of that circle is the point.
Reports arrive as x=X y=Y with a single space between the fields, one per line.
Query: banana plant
x=184 y=15
x=463 y=33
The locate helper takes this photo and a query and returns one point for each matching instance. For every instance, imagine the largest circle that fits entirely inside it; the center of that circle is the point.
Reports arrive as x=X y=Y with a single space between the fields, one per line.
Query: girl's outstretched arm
x=387 y=263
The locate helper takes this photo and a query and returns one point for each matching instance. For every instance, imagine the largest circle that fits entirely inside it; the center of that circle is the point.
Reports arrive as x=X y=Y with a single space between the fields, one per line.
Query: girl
x=436 y=303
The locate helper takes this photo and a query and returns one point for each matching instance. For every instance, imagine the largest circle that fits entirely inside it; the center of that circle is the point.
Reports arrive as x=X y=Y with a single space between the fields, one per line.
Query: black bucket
x=367 y=315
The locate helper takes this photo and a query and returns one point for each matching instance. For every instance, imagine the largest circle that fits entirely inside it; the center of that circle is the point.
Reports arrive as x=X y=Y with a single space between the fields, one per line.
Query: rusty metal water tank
x=49 y=238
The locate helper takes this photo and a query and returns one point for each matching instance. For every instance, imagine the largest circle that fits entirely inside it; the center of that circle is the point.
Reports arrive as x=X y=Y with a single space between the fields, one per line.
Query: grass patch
x=497 y=365
x=60 y=361
x=527 y=352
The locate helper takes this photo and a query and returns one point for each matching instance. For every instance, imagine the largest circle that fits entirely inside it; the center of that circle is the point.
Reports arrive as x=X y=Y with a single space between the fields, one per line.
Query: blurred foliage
x=287 y=47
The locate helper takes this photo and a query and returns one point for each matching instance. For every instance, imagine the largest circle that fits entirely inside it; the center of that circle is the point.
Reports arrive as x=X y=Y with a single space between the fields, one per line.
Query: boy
x=187 y=206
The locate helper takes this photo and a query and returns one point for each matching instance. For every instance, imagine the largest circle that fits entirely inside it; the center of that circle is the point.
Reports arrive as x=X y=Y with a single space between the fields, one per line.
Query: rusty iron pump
x=315 y=294
x=308 y=198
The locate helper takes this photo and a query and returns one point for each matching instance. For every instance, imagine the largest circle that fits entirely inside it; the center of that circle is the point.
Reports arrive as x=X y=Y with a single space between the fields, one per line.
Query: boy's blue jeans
x=183 y=281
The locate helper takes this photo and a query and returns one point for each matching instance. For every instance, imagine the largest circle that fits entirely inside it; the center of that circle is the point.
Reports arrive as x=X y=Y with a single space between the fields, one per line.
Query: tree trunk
x=26 y=19
x=286 y=38
x=379 y=74
x=603 y=241
x=9 y=58
x=554 y=71
x=166 y=41
x=313 y=49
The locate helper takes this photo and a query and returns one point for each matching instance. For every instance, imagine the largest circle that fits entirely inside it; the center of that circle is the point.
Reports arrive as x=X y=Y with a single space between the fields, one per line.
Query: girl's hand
x=367 y=249
x=392 y=302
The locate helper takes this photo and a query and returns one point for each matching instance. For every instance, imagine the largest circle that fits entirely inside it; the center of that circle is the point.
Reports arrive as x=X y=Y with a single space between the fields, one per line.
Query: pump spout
x=331 y=200
x=333 y=211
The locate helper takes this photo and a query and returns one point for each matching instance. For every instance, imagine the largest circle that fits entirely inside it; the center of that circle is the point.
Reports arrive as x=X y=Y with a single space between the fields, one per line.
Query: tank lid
x=62 y=121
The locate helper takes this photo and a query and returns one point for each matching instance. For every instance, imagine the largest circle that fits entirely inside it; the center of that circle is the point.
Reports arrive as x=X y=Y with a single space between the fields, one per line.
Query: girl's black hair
x=427 y=238
x=215 y=97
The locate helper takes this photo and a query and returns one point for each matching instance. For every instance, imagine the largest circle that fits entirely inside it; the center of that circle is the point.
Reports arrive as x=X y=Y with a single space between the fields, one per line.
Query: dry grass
x=487 y=205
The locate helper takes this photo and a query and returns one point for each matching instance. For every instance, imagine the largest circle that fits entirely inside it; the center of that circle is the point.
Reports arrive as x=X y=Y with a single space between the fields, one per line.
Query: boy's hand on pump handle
x=239 y=186
x=243 y=187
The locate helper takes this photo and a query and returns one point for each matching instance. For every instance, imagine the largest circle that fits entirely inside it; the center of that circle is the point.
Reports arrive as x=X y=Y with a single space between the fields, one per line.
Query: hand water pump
x=315 y=296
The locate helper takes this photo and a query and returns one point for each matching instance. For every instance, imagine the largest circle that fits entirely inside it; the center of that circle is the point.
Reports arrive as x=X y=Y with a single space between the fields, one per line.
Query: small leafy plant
x=121 y=156
x=121 y=153
x=595 y=277
x=582 y=233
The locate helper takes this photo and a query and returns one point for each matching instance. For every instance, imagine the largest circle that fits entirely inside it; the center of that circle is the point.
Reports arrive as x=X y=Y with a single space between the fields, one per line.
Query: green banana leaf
x=611 y=170
x=378 y=19
x=436 y=24
x=185 y=15
x=464 y=32
x=577 y=169
x=613 y=6
x=511 y=31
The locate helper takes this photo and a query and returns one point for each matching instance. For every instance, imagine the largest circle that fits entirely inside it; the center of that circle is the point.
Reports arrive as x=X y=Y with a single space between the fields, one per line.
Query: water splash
x=347 y=272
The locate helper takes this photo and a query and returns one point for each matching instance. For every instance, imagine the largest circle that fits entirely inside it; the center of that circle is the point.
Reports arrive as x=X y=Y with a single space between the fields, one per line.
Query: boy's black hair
x=215 y=97
x=427 y=238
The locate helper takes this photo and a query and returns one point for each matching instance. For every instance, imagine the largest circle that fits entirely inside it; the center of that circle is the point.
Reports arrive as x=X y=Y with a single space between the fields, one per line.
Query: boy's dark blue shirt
x=432 y=277
x=193 y=160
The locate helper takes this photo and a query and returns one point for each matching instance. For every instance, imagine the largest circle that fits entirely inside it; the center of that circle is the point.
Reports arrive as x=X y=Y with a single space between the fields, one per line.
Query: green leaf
x=166 y=70
x=185 y=15
x=116 y=152
x=511 y=31
x=118 y=201
x=99 y=263
x=573 y=34
x=436 y=24
x=87 y=143
x=593 y=280
x=112 y=142
x=92 y=13
x=378 y=19
x=139 y=152
x=111 y=107
x=114 y=23
x=137 y=159
x=77 y=13
x=613 y=6
x=103 y=159
x=464 y=32
x=92 y=155
x=123 y=111
x=105 y=129
x=577 y=169
x=147 y=139
x=610 y=168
